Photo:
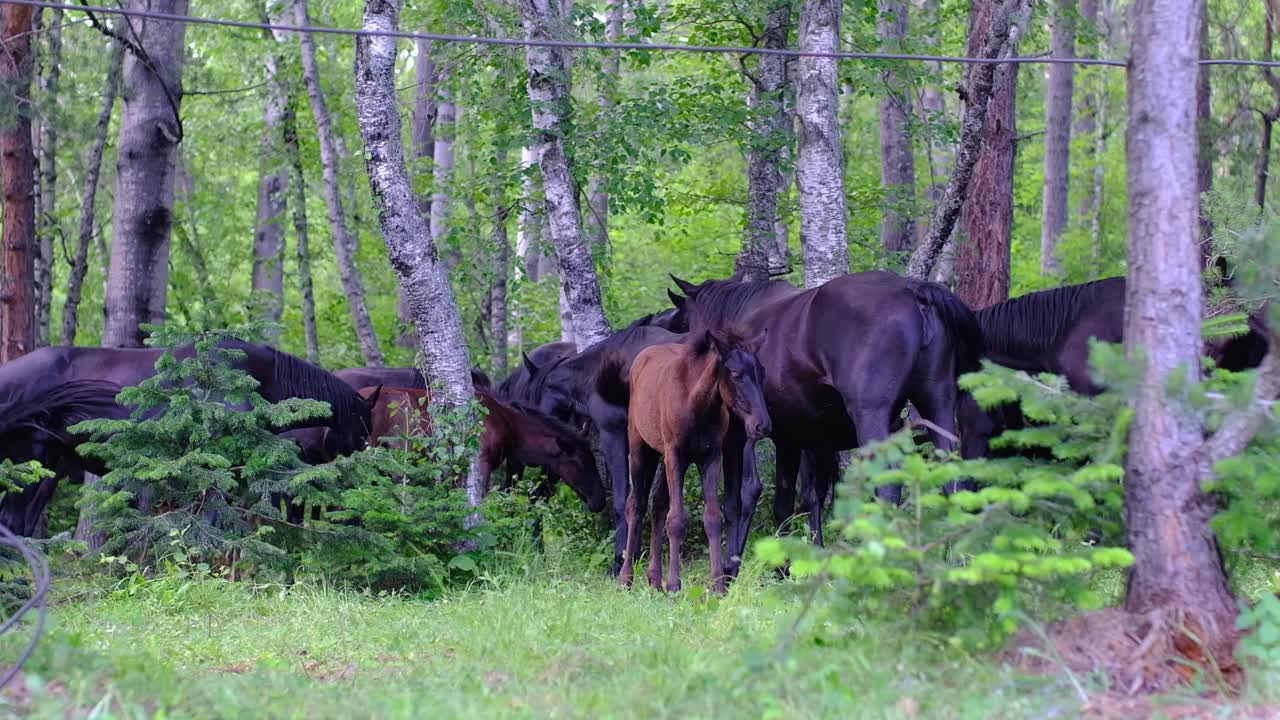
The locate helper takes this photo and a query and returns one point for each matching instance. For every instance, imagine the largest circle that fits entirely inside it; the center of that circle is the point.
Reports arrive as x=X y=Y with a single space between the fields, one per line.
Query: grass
x=537 y=642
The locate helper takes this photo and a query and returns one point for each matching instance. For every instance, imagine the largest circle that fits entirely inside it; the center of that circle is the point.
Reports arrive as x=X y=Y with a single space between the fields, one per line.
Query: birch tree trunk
x=47 y=217
x=343 y=243
x=273 y=189
x=1057 y=137
x=442 y=169
x=820 y=166
x=17 y=166
x=769 y=138
x=407 y=236
x=526 y=255
x=1204 y=129
x=610 y=69
x=500 y=262
x=982 y=258
x=88 y=197
x=549 y=98
x=146 y=160
x=1176 y=558
x=424 y=118
x=302 y=241
x=897 y=156
x=933 y=109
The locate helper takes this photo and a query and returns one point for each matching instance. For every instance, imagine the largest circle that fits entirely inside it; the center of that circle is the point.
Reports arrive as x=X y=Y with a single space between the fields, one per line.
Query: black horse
x=840 y=363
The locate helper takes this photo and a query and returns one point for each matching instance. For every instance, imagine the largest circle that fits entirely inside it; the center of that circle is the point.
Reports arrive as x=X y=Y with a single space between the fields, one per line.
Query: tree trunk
x=769 y=138
x=1176 y=559
x=1089 y=118
x=424 y=118
x=442 y=170
x=88 y=198
x=298 y=181
x=610 y=68
x=549 y=98
x=1264 y=161
x=1204 y=128
x=501 y=261
x=1057 y=138
x=897 y=156
x=17 y=166
x=273 y=188
x=820 y=166
x=982 y=258
x=344 y=245
x=407 y=236
x=933 y=109
x=526 y=259
x=47 y=218
x=150 y=130
x=1268 y=116
x=999 y=39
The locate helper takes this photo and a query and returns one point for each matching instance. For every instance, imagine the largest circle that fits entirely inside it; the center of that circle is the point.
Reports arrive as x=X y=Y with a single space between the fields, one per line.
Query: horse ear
x=685 y=286
x=713 y=340
x=677 y=300
x=480 y=379
x=528 y=364
x=372 y=400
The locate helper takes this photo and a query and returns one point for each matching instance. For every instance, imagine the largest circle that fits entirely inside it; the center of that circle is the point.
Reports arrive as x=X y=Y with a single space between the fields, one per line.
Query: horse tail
x=611 y=385
x=959 y=324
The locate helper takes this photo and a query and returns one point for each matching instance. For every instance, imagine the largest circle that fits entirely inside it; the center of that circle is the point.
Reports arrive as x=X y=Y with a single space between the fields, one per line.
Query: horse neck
x=705 y=393
x=1024 y=332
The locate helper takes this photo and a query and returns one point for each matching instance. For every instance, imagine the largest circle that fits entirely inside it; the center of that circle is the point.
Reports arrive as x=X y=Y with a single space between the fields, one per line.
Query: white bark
x=770 y=138
x=344 y=245
x=820 y=167
x=442 y=166
x=273 y=187
x=549 y=96
x=610 y=69
x=1057 y=138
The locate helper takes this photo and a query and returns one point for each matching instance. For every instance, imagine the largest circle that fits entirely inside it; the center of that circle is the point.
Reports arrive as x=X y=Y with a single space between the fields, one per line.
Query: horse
x=509 y=433
x=408 y=377
x=680 y=398
x=841 y=360
x=515 y=386
x=566 y=389
x=34 y=425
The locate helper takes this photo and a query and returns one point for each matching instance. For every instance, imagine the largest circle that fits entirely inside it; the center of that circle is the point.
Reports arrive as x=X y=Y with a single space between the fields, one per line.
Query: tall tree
x=610 y=69
x=47 y=213
x=424 y=118
x=344 y=245
x=147 y=152
x=442 y=165
x=1057 y=137
x=1269 y=115
x=820 y=166
x=302 y=241
x=982 y=258
x=770 y=137
x=1204 y=127
x=549 y=98
x=413 y=254
x=897 y=155
x=17 y=165
x=273 y=181
x=500 y=261
x=88 y=197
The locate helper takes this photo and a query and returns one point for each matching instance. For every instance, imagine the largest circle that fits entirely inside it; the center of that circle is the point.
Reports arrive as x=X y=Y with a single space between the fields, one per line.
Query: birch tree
x=820 y=165
x=17 y=166
x=414 y=256
x=423 y=124
x=548 y=84
x=897 y=154
x=610 y=69
x=302 y=240
x=273 y=183
x=47 y=211
x=146 y=168
x=442 y=166
x=343 y=243
x=1057 y=137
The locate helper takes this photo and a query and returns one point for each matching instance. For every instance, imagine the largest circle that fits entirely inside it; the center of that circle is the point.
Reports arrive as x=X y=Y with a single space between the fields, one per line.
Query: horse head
x=741 y=378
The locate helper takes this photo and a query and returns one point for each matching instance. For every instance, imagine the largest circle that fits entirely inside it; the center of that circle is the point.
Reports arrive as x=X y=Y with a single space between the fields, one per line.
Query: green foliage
x=1261 y=642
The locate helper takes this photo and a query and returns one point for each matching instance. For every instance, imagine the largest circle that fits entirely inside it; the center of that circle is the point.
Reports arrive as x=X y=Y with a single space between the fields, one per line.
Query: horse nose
x=762 y=428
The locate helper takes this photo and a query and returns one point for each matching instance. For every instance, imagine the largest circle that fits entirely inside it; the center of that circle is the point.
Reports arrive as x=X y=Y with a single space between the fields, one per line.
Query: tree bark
x=500 y=262
x=982 y=257
x=769 y=138
x=17 y=166
x=1268 y=116
x=996 y=41
x=820 y=166
x=150 y=131
x=549 y=98
x=1057 y=138
x=442 y=169
x=344 y=245
x=88 y=197
x=47 y=216
x=1176 y=559
x=1204 y=129
x=897 y=156
x=298 y=182
x=273 y=189
x=424 y=118
x=610 y=69
x=407 y=236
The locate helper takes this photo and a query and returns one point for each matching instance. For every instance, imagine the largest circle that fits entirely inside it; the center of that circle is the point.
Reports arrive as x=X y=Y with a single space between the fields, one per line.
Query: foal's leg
x=784 y=485
x=710 y=470
x=676 y=522
x=643 y=462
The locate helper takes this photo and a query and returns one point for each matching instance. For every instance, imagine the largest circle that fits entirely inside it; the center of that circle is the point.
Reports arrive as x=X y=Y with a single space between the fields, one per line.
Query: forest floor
x=537 y=640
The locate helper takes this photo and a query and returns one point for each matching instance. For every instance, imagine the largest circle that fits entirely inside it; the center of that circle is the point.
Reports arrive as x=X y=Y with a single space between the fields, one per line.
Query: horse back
x=408 y=417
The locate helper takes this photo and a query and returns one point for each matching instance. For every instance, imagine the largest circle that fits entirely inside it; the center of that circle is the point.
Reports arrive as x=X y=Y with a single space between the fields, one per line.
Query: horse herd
x=816 y=370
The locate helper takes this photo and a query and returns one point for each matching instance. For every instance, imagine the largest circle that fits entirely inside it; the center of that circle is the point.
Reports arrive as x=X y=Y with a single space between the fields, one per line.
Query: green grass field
x=533 y=640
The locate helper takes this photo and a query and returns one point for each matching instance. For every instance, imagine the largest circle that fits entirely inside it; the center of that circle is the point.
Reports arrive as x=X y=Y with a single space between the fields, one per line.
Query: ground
x=530 y=640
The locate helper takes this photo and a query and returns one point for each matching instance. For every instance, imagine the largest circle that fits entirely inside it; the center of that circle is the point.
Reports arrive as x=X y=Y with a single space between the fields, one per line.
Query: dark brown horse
x=841 y=361
x=681 y=398
x=509 y=433
x=409 y=377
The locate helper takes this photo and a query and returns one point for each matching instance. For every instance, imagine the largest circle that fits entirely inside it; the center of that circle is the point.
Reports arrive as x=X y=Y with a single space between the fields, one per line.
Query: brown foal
x=682 y=398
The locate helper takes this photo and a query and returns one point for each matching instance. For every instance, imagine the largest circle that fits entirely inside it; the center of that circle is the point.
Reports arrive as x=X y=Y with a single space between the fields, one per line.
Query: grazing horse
x=510 y=433
x=357 y=378
x=515 y=387
x=34 y=422
x=566 y=390
x=681 y=397
x=840 y=360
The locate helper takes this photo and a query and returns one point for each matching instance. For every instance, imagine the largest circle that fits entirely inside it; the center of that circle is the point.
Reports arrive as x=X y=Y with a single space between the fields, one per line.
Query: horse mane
x=719 y=302
x=294 y=377
x=661 y=318
x=1037 y=321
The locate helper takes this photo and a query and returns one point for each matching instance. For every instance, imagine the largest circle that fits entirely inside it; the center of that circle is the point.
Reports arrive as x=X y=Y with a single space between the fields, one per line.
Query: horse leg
x=817 y=480
x=643 y=462
x=512 y=477
x=784 y=485
x=751 y=490
x=731 y=472
x=676 y=467
x=938 y=404
x=872 y=424
x=614 y=448
x=660 y=503
x=710 y=470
